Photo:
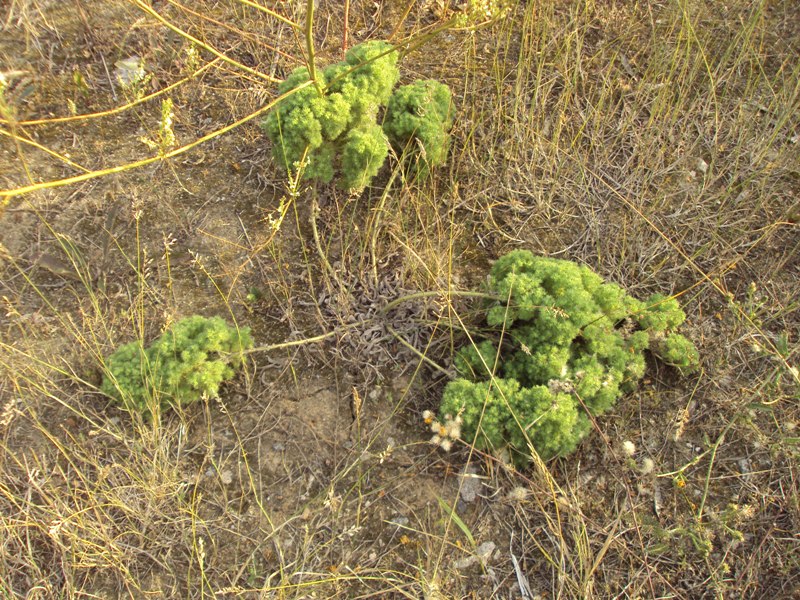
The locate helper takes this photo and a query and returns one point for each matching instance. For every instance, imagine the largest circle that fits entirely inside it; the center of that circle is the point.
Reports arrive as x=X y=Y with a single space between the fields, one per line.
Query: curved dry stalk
x=38 y=146
x=242 y=34
x=6 y=195
x=304 y=341
x=150 y=11
x=309 y=35
x=421 y=355
x=118 y=109
x=271 y=13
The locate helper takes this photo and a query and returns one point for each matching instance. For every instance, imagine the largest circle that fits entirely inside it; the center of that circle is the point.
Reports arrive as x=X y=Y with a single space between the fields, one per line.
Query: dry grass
x=657 y=142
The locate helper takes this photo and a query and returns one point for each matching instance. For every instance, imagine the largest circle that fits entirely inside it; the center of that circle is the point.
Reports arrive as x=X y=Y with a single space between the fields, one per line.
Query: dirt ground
x=657 y=142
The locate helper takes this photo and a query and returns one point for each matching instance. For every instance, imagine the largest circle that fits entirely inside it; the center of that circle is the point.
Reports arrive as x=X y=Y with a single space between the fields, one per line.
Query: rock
x=470 y=484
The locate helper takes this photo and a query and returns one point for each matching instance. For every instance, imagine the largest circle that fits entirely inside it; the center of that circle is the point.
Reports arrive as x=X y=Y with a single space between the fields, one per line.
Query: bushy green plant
x=333 y=123
x=568 y=343
x=188 y=361
x=418 y=122
x=363 y=154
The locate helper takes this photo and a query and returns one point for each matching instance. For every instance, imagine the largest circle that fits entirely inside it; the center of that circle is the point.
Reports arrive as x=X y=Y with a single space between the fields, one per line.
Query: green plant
x=333 y=124
x=188 y=361
x=418 y=121
x=568 y=343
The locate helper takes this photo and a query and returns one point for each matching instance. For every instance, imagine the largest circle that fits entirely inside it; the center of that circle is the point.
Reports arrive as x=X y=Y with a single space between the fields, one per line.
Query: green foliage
x=569 y=341
x=418 y=119
x=677 y=351
x=340 y=121
x=496 y=413
x=363 y=154
x=365 y=79
x=662 y=313
x=187 y=362
x=472 y=360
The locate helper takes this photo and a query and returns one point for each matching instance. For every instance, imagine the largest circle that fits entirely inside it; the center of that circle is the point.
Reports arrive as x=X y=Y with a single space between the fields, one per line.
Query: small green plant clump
x=418 y=121
x=567 y=343
x=187 y=362
x=335 y=120
x=332 y=123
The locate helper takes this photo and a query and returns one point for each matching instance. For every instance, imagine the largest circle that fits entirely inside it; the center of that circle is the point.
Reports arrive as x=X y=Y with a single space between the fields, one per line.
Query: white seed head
x=628 y=447
x=647 y=466
x=518 y=495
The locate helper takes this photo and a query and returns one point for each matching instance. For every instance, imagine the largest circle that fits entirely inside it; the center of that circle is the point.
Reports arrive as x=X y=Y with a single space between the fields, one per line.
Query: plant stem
x=304 y=341
x=315 y=232
x=432 y=294
x=422 y=357
x=312 y=71
x=344 y=33
x=376 y=225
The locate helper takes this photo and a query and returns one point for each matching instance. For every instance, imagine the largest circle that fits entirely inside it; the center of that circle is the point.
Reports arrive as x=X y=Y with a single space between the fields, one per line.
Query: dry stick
x=238 y=32
x=304 y=341
x=203 y=45
x=309 y=34
x=422 y=357
x=315 y=232
x=118 y=109
x=376 y=225
x=52 y=153
x=6 y=195
x=402 y=20
x=388 y=307
x=433 y=294
x=271 y=13
x=344 y=33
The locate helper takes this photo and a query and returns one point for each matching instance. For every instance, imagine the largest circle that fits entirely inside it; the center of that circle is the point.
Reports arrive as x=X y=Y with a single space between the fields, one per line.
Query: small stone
x=466 y=562
x=399 y=521
x=470 y=485
x=701 y=165
x=485 y=551
x=482 y=553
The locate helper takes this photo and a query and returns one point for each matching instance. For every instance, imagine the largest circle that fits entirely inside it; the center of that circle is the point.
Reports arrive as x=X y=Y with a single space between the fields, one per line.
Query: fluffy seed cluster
x=566 y=342
x=446 y=431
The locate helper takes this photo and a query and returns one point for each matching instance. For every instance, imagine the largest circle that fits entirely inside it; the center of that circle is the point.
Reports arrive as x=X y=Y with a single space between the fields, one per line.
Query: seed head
x=628 y=447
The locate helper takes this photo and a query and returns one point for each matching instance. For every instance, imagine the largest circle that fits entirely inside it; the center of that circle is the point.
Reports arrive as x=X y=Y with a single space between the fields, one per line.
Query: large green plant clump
x=188 y=361
x=567 y=343
x=333 y=122
x=418 y=122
